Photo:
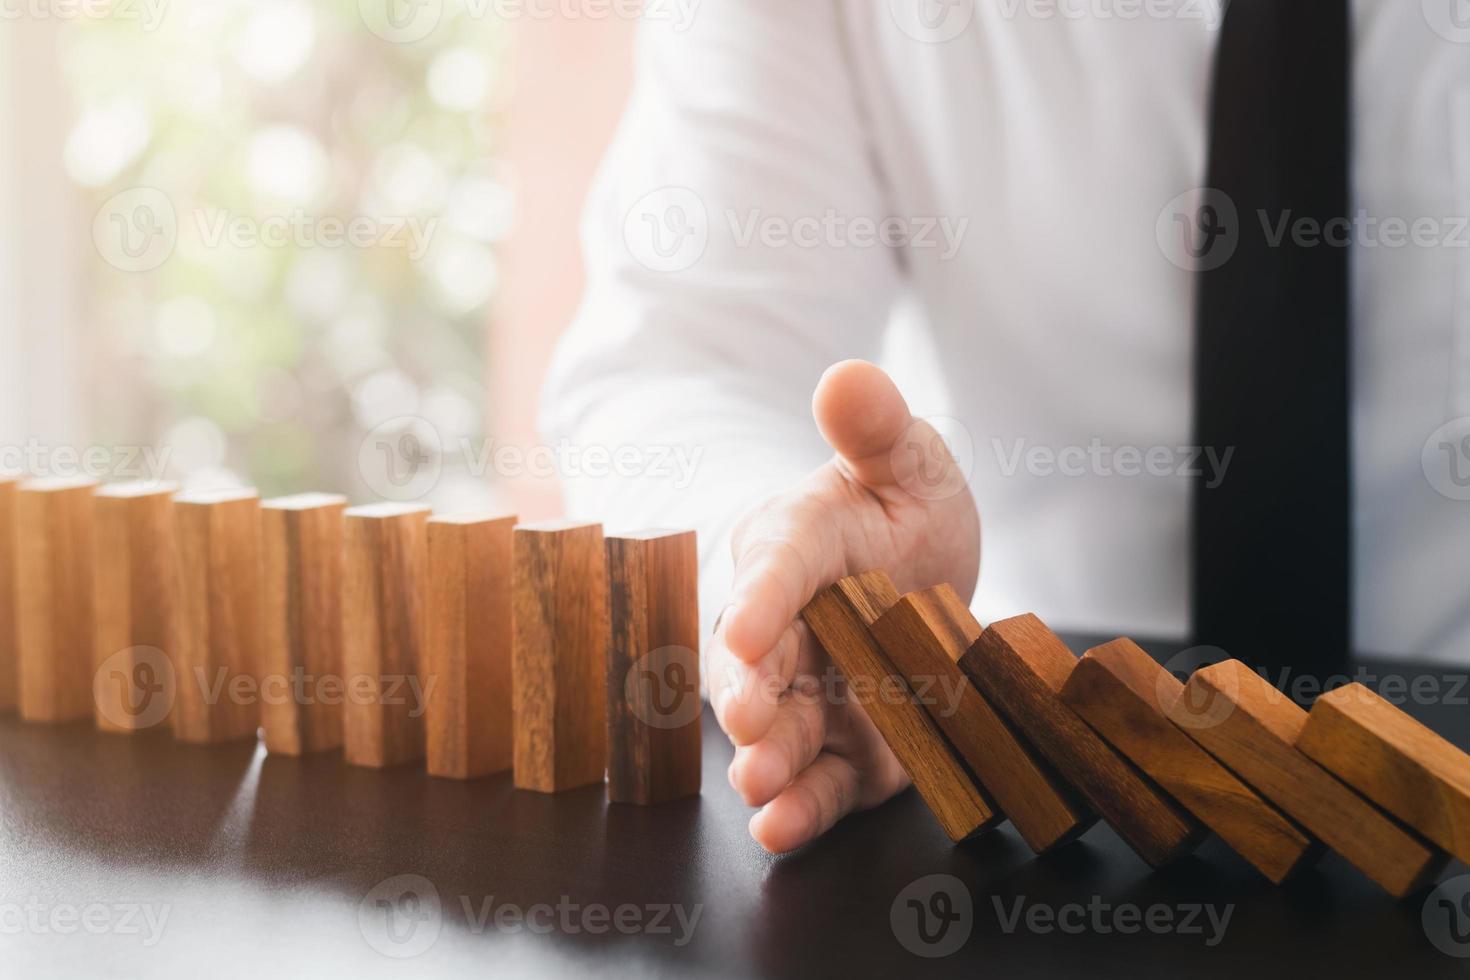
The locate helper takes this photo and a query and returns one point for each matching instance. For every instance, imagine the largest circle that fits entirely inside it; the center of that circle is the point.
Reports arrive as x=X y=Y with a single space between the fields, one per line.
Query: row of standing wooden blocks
x=1025 y=730
x=468 y=641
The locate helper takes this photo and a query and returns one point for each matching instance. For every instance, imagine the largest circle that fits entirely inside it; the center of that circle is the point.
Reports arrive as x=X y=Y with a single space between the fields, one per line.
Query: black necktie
x=1272 y=548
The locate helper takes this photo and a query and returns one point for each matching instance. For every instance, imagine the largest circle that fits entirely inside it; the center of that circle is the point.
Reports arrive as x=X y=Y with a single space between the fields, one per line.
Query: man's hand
x=891 y=498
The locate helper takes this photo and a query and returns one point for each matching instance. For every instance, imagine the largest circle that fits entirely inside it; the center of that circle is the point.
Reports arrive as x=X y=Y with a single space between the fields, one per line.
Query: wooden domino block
x=383 y=629
x=9 y=627
x=1124 y=694
x=1251 y=727
x=841 y=617
x=137 y=587
x=302 y=686
x=653 y=701
x=55 y=531
x=1021 y=666
x=217 y=655
x=559 y=656
x=1394 y=761
x=468 y=646
x=924 y=634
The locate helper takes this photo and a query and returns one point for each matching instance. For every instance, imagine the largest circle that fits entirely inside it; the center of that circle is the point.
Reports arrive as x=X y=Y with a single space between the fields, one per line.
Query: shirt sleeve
x=732 y=256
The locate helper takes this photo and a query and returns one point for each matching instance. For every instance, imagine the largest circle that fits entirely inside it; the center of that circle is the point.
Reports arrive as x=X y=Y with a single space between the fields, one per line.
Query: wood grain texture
x=468 y=650
x=9 y=625
x=218 y=652
x=1252 y=728
x=841 y=617
x=1394 y=761
x=1123 y=693
x=559 y=656
x=385 y=575
x=923 y=635
x=137 y=589
x=55 y=597
x=301 y=669
x=1021 y=666
x=653 y=701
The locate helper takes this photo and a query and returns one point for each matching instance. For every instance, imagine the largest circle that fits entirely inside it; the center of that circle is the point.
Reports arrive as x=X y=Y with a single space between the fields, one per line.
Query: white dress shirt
x=744 y=234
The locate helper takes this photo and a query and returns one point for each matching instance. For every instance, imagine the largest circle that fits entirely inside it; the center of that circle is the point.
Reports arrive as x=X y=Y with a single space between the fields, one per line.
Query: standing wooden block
x=924 y=634
x=1251 y=727
x=383 y=604
x=560 y=655
x=653 y=702
x=841 y=617
x=218 y=653
x=9 y=626
x=468 y=653
x=136 y=611
x=1394 y=761
x=1022 y=666
x=1125 y=694
x=55 y=532
x=301 y=670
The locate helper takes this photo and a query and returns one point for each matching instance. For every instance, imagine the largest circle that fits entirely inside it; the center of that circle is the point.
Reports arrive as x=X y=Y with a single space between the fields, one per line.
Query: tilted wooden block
x=841 y=617
x=468 y=651
x=1394 y=761
x=301 y=677
x=924 y=634
x=217 y=655
x=560 y=656
x=137 y=584
x=385 y=573
x=1124 y=694
x=55 y=598
x=9 y=627
x=1251 y=727
x=653 y=701
x=1021 y=666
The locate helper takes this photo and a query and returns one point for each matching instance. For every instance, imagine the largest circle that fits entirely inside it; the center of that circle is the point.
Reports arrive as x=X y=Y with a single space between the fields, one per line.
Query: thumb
x=860 y=412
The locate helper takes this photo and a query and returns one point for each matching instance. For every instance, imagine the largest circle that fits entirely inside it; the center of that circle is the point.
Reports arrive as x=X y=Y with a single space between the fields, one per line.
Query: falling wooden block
x=383 y=630
x=301 y=682
x=137 y=589
x=840 y=617
x=55 y=532
x=1251 y=727
x=9 y=626
x=1125 y=695
x=924 y=634
x=559 y=656
x=218 y=652
x=468 y=649
x=1394 y=761
x=1021 y=666
x=653 y=701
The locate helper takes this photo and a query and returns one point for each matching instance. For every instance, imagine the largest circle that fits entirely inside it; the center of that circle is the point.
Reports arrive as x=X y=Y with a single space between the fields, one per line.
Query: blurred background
x=263 y=241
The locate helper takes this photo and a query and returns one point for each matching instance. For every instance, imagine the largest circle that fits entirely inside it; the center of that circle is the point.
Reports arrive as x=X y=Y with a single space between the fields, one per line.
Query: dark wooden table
x=134 y=856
